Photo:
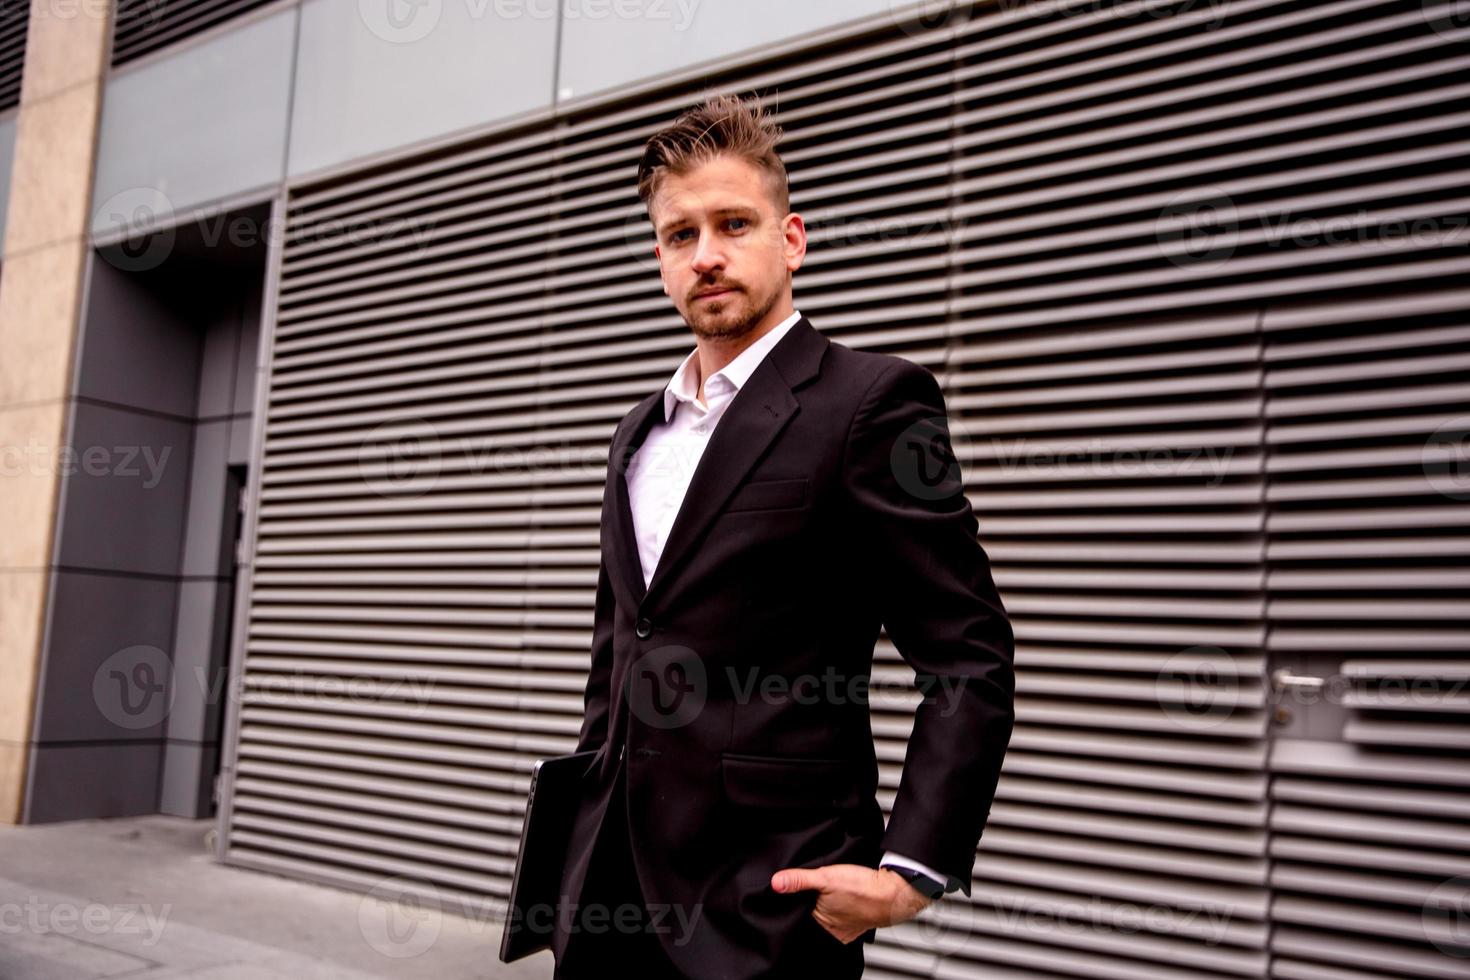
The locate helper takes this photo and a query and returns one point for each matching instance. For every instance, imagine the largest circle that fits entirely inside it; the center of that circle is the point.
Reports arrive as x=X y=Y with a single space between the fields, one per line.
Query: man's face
x=718 y=233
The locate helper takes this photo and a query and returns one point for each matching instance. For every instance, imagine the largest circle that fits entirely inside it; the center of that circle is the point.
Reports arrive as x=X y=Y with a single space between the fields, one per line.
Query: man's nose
x=708 y=255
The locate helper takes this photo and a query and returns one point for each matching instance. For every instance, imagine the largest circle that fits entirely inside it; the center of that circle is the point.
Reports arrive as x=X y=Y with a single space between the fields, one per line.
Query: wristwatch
x=926 y=885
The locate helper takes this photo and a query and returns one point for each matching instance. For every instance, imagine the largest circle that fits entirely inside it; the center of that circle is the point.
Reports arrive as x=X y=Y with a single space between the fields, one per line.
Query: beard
x=730 y=316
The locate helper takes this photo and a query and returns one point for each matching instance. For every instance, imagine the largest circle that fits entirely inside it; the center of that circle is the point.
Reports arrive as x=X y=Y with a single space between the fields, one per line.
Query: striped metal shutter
x=1073 y=219
x=1145 y=195
x=421 y=584
x=15 y=24
x=1368 y=413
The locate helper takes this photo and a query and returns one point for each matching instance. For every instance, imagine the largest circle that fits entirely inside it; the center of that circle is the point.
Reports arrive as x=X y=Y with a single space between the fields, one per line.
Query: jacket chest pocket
x=788 y=494
x=789 y=781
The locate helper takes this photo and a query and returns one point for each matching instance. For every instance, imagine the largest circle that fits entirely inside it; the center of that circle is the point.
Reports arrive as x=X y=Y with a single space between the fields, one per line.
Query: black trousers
x=611 y=927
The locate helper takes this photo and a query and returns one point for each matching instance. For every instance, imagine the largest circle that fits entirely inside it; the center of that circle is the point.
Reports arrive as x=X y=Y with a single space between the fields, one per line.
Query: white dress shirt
x=659 y=472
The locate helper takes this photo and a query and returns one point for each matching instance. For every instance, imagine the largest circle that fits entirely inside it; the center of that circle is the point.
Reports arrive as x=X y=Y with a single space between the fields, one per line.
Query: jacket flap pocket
x=776 y=781
x=769 y=495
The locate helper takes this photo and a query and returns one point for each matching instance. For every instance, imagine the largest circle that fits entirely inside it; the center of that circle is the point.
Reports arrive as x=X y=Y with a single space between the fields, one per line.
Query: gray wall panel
x=199 y=125
x=602 y=49
x=7 y=154
x=368 y=81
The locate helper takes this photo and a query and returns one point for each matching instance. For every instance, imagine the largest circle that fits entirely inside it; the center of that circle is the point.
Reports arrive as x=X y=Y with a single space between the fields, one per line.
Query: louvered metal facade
x=15 y=23
x=1194 y=282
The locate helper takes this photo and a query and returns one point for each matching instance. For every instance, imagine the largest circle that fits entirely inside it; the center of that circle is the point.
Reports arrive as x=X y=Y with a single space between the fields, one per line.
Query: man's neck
x=720 y=354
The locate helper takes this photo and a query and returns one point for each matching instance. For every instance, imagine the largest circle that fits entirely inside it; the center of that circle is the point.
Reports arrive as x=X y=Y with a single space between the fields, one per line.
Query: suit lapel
x=755 y=416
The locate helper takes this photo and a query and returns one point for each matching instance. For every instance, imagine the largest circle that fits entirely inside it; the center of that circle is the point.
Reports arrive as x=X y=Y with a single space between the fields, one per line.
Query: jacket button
x=644 y=629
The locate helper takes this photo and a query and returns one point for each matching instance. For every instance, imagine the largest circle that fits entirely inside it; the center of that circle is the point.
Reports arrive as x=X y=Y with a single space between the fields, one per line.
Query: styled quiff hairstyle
x=724 y=125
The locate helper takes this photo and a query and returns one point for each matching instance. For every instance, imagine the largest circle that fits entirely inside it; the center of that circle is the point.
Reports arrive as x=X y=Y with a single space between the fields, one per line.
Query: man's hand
x=854 y=898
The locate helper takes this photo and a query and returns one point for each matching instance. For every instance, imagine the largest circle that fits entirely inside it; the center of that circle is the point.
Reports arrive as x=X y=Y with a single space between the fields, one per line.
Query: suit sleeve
x=932 y=584
x=596 y=697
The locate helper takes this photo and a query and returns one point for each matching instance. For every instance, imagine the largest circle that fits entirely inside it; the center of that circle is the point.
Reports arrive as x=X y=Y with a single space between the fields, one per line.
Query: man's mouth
x=714 y=294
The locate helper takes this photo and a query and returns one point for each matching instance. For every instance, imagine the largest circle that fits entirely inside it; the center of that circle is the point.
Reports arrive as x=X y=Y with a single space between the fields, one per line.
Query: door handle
x=1282 y=680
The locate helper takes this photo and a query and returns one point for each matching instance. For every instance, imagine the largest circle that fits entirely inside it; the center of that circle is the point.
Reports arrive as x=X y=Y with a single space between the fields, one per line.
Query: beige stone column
x=44 y=260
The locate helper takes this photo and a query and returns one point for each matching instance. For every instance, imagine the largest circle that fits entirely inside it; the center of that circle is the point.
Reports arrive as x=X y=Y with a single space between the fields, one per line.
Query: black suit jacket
x=828 y=501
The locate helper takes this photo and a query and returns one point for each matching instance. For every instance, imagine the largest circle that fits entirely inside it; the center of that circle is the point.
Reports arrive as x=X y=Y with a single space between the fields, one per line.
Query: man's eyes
x=679 y=235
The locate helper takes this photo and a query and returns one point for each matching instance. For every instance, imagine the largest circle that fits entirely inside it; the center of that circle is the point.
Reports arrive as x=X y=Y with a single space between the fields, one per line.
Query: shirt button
x=644 y=629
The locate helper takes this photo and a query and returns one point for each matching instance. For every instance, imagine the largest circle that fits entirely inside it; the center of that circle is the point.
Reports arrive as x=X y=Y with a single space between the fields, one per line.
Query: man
x=780 y=498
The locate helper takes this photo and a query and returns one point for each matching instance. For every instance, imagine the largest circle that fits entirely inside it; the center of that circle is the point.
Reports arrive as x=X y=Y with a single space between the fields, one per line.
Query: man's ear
x=659 y=255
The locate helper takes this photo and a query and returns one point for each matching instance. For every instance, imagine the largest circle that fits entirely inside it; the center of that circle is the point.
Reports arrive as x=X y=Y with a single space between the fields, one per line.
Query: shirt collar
x=683 y=385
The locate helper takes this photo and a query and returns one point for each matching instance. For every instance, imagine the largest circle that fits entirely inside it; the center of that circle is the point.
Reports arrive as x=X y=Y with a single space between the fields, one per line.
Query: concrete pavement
x=143 y=898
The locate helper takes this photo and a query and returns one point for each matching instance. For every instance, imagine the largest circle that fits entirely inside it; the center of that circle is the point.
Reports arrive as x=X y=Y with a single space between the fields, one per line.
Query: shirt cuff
x=906 y=862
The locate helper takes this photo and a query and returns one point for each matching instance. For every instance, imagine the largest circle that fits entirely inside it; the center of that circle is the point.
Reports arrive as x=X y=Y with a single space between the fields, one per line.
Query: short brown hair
x=722 y=125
